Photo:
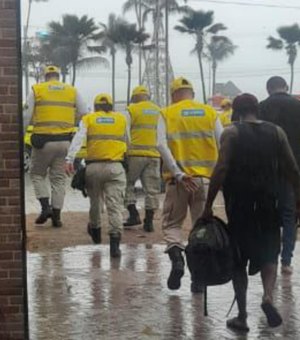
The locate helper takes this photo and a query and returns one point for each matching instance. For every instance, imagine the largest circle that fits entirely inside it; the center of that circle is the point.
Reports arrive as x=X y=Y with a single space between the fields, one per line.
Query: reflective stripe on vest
x=63 y=125
x=106 y=137
x=143 y=127
x=142 y=147
x=204 y=164
x=53 y=103
x=191 y=134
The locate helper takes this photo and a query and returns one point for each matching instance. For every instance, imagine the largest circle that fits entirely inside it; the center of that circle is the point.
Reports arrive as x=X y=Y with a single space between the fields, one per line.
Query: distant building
x=227 y=90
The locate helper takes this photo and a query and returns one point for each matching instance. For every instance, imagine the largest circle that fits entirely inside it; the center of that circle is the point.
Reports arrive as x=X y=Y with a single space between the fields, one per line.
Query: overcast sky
x=248 y=27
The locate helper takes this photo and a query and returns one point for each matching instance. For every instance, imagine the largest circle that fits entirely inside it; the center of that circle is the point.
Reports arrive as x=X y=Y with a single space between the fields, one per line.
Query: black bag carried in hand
x=78 y=181
x=209 y=252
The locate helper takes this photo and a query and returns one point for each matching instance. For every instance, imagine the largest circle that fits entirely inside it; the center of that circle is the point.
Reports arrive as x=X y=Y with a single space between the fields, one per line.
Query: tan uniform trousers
x=147 y=169
x=176 y=204
x=108 y=180
x=50 y=161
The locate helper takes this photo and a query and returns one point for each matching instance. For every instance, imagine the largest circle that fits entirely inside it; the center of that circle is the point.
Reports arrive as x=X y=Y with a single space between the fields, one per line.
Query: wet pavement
x=79 y=293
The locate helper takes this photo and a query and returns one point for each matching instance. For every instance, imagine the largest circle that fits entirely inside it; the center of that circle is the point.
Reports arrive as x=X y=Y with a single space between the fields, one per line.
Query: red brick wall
x=13 y=322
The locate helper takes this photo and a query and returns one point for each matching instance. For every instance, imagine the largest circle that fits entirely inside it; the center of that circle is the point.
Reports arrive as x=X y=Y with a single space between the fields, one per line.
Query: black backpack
x=209 y=252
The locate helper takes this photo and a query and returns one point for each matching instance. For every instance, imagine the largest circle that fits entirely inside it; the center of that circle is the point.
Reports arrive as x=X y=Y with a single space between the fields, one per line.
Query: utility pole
x=140 y=46
x=157 y=22
x=25 y=50
x=167 y=80
x=158 y=69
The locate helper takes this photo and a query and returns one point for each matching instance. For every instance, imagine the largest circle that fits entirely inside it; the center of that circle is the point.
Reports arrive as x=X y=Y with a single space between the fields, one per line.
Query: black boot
x=115 y=245
x=95 y=234
x=134 y=217
x=56 y=221
x=177 y=271
x=148 y=221
x=46 y=211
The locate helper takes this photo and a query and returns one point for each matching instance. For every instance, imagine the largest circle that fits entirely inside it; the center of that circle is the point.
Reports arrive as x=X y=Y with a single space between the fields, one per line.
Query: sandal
x=273 y=317
x=238 y=324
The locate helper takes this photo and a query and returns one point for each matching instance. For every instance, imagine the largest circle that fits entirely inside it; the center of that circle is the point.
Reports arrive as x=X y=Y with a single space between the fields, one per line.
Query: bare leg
x=240 y=285
x=268 y=276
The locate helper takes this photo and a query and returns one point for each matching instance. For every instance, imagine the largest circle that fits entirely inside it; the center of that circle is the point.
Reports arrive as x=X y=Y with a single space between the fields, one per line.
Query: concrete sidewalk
x=80 y=294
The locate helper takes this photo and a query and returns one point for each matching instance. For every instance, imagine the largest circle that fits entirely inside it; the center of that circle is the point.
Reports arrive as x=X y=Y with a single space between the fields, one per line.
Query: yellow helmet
x=140 y=90
x=103 y=98
x=226 y=102
x=51 y=69
x=180 y=83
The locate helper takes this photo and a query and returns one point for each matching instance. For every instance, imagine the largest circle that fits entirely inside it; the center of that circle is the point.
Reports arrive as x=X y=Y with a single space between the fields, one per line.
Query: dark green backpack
x=209 y=252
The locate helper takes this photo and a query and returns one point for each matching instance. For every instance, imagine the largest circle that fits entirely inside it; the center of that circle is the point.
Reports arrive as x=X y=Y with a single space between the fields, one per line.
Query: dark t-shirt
x=284 y=111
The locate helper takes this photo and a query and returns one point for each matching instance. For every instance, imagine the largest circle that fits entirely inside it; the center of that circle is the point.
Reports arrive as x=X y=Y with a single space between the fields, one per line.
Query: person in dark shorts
x=254 y=156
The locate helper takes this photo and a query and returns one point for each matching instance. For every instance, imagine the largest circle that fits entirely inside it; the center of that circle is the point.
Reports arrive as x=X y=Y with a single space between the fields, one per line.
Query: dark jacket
x=284 y=111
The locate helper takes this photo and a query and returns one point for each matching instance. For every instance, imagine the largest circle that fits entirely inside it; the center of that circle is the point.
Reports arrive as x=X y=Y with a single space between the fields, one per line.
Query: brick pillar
x=13 y=289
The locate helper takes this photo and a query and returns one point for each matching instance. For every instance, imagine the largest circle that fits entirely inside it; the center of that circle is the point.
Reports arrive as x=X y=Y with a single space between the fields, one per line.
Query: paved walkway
x=80 y=294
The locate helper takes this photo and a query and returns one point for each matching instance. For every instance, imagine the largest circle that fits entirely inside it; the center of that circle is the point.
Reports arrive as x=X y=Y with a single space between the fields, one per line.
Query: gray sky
x=248 y=27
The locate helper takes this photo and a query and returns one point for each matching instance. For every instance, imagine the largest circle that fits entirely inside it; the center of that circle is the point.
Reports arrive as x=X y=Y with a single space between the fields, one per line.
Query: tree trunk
x=129 y=84
x=214 y=77
x=202 y=76
x=64 y=75
x=139 y=20
x=73 y=73
x=113 y=77
x=292 y=78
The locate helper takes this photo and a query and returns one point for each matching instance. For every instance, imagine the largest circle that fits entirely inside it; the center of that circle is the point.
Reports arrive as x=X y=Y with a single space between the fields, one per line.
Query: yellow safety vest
x=225 y=117
x=106 y=136
x=143 y=130
x=190 y=130
x=54 y=112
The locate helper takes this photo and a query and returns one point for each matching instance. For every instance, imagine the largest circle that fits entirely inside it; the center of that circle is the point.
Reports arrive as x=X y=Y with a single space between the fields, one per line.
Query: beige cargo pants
x=176 y=204
x=50 y=161
x=108 y=180
x=147 y=169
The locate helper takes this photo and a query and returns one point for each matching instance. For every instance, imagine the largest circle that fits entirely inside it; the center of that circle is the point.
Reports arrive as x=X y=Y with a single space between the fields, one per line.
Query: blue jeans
x=287 y=210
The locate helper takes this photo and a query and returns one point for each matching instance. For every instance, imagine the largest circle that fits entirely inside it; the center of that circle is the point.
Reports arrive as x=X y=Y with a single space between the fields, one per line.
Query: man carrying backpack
x=254 y=156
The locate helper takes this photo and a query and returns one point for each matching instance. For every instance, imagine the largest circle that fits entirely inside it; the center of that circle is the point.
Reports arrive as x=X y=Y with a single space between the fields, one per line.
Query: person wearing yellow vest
x=226 y=114
x=143 y=157
x=188 y=134
x=52 y=110
x=105 y=133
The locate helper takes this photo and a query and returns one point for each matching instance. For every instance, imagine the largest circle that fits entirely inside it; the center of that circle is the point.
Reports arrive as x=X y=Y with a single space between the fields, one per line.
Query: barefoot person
x=254 y=156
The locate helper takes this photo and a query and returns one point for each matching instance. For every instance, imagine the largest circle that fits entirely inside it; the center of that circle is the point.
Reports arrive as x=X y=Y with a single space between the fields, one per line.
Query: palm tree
x=127 y=37
x=199 y=24
x=219 y=49
x=71 y=41
x=108 y=36
x=289 y=38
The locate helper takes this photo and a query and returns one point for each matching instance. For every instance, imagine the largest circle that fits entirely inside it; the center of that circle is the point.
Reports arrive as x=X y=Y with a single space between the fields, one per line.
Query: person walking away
x=254 y=156
x=52 y=109
x=226 y=114
x=283 y=110
x=105 y=132
x=143 y=157
x=188 y=133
